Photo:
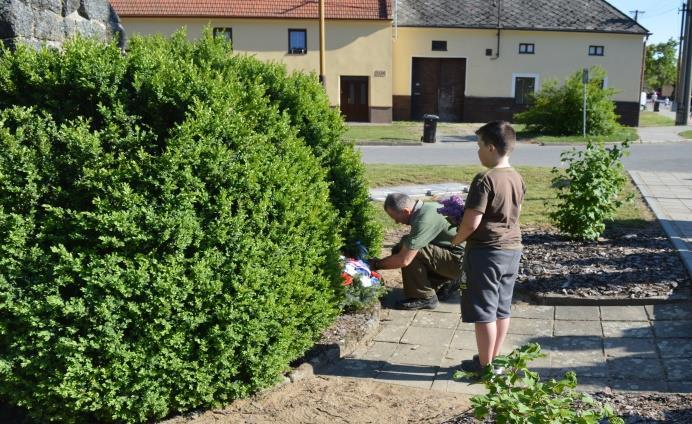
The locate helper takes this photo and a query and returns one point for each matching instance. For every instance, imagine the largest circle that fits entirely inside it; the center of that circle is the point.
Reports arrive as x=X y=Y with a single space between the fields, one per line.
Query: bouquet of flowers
x=452 y=208
x=362 y=286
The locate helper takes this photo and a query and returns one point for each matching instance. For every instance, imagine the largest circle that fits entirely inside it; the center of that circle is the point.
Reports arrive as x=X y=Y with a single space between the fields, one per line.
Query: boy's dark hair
x=500 y=134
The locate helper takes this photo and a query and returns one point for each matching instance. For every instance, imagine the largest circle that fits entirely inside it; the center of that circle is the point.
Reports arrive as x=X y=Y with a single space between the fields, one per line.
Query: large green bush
x=167 y=239
x=557 y=109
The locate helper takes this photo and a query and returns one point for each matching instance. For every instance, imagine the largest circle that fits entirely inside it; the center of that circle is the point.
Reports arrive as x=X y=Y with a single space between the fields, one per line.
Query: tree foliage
x=661 y=64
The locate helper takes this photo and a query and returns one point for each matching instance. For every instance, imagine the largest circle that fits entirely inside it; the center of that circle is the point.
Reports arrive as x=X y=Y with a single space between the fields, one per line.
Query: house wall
x=353 y=48
x=489 y=79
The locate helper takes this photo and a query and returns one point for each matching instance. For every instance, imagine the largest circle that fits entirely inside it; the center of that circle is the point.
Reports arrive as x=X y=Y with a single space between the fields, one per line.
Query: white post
x=584 y=80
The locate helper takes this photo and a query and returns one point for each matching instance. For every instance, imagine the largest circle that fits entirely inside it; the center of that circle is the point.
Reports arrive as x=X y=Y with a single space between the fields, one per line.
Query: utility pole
x=683 y=95
x=679 y=67
x=323 y=80
x=636 y=14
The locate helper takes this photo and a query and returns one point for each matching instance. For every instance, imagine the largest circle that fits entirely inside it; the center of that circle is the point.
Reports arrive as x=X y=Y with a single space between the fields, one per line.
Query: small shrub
x=558 y=109
x=589 y=189
x=518 y=395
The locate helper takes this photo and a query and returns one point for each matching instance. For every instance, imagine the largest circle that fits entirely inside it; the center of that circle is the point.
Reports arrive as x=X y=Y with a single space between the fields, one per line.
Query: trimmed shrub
x=322 y=128
x=558 y=109
x=168 y=240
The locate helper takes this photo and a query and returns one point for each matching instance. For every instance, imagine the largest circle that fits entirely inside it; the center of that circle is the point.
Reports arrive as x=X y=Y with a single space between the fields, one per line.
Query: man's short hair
x=397 y=202
x=500 y=134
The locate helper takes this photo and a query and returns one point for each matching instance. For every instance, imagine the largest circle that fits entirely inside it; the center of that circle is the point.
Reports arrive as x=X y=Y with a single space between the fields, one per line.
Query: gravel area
x=635 y=263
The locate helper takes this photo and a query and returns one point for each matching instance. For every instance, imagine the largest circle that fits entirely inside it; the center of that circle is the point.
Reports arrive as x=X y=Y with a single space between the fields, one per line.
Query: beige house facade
x=463 y=60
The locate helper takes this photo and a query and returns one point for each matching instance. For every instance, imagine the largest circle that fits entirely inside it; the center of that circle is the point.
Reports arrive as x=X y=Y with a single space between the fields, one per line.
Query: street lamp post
x=322 y=61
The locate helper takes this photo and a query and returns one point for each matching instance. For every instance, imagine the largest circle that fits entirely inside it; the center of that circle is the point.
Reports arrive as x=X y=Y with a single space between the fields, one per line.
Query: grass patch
x=622 y=134
x=686 y=134
x=401 y=131
x=655 y=119
x=540 y=199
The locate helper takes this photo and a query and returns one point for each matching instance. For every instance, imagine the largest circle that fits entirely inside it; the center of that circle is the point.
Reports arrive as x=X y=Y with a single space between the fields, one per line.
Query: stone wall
x=51 y=22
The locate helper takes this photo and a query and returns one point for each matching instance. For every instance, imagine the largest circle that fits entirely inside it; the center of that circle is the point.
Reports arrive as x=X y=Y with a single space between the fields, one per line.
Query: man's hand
x=374 y=263
x=399 y=260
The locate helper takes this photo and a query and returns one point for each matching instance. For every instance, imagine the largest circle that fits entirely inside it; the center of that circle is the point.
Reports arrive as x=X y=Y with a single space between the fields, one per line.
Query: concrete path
x=638 y=348
x=630 y=348
x=669 y=194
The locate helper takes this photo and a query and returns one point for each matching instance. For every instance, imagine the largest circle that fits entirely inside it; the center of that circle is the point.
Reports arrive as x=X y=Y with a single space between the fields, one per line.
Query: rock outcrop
x=51 y=22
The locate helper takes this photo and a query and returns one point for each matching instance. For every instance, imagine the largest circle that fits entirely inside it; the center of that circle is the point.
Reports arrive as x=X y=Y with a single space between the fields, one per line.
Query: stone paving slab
x=577 y=313
x=379 y=351
x=436 y=319
x=418 y=354
x=627 y=329
x=673 y=311
x=635 y=368
x=678 y=369
x=635 y=348
x=428 y=336
x=390 y=333
x=533 y=312
x=578 y=328
x=675 y=348
x=420 y=376
x=624 y=313
x=533 y=327
x=673 y=329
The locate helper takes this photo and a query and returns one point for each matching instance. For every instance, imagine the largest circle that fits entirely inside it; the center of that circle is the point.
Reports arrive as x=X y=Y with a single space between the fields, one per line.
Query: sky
x=660 y=17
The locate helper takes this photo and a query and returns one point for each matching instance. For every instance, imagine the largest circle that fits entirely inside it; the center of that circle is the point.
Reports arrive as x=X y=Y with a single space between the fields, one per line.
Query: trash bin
x=429 y=128
x=657 y=106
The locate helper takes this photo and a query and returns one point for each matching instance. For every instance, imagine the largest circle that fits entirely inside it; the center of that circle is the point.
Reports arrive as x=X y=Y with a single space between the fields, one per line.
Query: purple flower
x=452 y=208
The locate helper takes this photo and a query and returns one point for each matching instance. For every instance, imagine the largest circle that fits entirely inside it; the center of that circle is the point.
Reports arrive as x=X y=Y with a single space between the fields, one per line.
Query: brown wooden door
x=354 y=99
x=437 y=87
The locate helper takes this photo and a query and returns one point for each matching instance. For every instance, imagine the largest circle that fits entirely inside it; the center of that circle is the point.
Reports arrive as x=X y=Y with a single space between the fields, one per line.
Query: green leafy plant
x=168 y=237
x=589 y=189
x=557 y=109
x=519 y=396
x=357 y=297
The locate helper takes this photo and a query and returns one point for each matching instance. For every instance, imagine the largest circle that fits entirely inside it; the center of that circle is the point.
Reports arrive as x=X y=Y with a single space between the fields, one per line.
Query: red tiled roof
x=334 y=9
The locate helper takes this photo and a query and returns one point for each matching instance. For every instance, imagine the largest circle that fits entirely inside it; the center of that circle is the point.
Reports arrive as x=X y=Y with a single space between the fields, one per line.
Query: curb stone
x=554 y=299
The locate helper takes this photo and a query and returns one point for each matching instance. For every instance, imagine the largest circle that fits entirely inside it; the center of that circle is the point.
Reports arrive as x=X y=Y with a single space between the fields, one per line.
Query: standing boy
x=490 y=227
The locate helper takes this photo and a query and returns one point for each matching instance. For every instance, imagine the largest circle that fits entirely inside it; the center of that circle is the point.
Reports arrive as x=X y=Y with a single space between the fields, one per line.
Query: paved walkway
x=669 y=194
x=639 y=348
x=634 y=348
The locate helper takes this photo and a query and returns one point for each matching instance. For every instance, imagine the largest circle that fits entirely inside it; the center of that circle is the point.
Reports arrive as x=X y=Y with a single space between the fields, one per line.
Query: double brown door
x=437 y=87
x=354 y=99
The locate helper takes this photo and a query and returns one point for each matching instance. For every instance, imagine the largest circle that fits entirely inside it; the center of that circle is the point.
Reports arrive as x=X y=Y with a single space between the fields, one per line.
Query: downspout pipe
x=499 y=28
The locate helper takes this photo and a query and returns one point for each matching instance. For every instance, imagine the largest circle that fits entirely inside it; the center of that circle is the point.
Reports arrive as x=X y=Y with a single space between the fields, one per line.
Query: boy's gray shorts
x=490 y=276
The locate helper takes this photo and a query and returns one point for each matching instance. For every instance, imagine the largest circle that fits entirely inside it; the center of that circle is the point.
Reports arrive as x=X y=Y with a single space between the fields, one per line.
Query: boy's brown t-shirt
x=497 y=193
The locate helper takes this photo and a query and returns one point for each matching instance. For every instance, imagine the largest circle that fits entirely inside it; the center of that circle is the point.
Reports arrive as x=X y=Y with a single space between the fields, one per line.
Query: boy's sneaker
x=414 y=304
x=474 y=365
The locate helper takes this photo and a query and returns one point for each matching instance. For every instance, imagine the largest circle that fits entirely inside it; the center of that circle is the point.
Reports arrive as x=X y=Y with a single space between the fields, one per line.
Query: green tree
x=661 y=64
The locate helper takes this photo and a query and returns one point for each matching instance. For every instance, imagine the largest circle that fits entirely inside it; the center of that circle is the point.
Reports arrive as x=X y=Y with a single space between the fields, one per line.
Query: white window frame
x=536 y=86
